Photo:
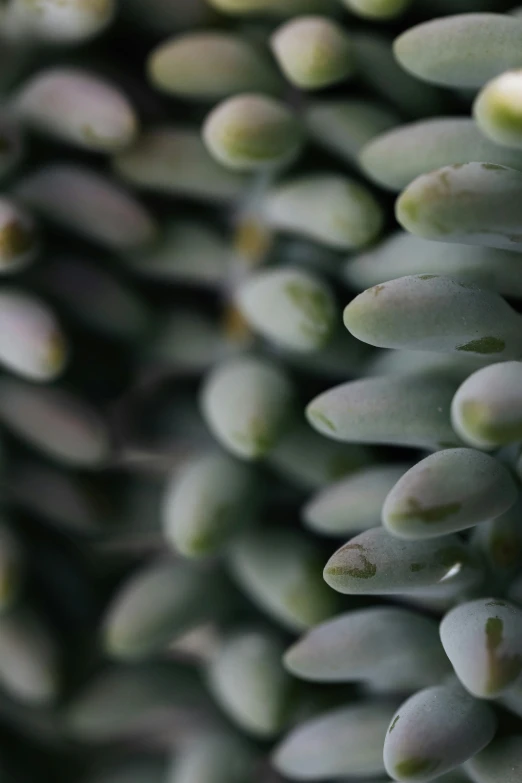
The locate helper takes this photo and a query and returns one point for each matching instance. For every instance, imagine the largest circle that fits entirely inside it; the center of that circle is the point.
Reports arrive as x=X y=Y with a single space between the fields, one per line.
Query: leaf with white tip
x=435 y=731
x=210 y=65
x=476 y=48
x=375 y=562
x=405 y=410
x=345 y=741
x=398 y=156
x=487 y=409
x=158 y=603
x=333 y=210
x=252 y=132
x=205 y=503
x=289 y=306
x=448 y=491
x=247 y=402
x=56 y=22
x=281 y=572
x=248 y=680
x=369 y=644
x=435 y=313
x=497 y=110
x=483 y=640
x=77 y=107
x=313 y=52
x=468 y=203
x=32 y=343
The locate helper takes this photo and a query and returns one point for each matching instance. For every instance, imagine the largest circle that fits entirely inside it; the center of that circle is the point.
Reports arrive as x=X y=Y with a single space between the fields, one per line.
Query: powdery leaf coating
x=29 y=659
x=448 y=491
x=398 y=156
x=369 y=644
x=213 y=758
x=205 y=503
x=174 y=160
x=401 y=254
x=57 y=423
x=158 y=603
x=343 y=742
x=32 y=343
x=289 y=306
x=58 y=21
x=246 y=402
x=252 y=132
x=377 y=9
x=487 y=409
x=210 y=65
x=344 y=126
x=375 y=562
x=476 y=48
x=405 y=410
x=281 y=572
x=435 y=731
x=88 y=204
x=352 y=504
x=483 y=640
x=500 y=762
x=248 y=680
x=18 y=237
x=332 y=210
x=77 y=107
x=123 y=702
x=435 y=313
x=471 y=203
x=378 y=68
x=498 y=110
x=313 y=52
x=188 y=251
x=310 y=461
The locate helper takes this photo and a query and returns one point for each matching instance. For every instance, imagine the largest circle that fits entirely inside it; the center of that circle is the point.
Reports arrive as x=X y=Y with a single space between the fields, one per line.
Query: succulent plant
x=261 y=391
